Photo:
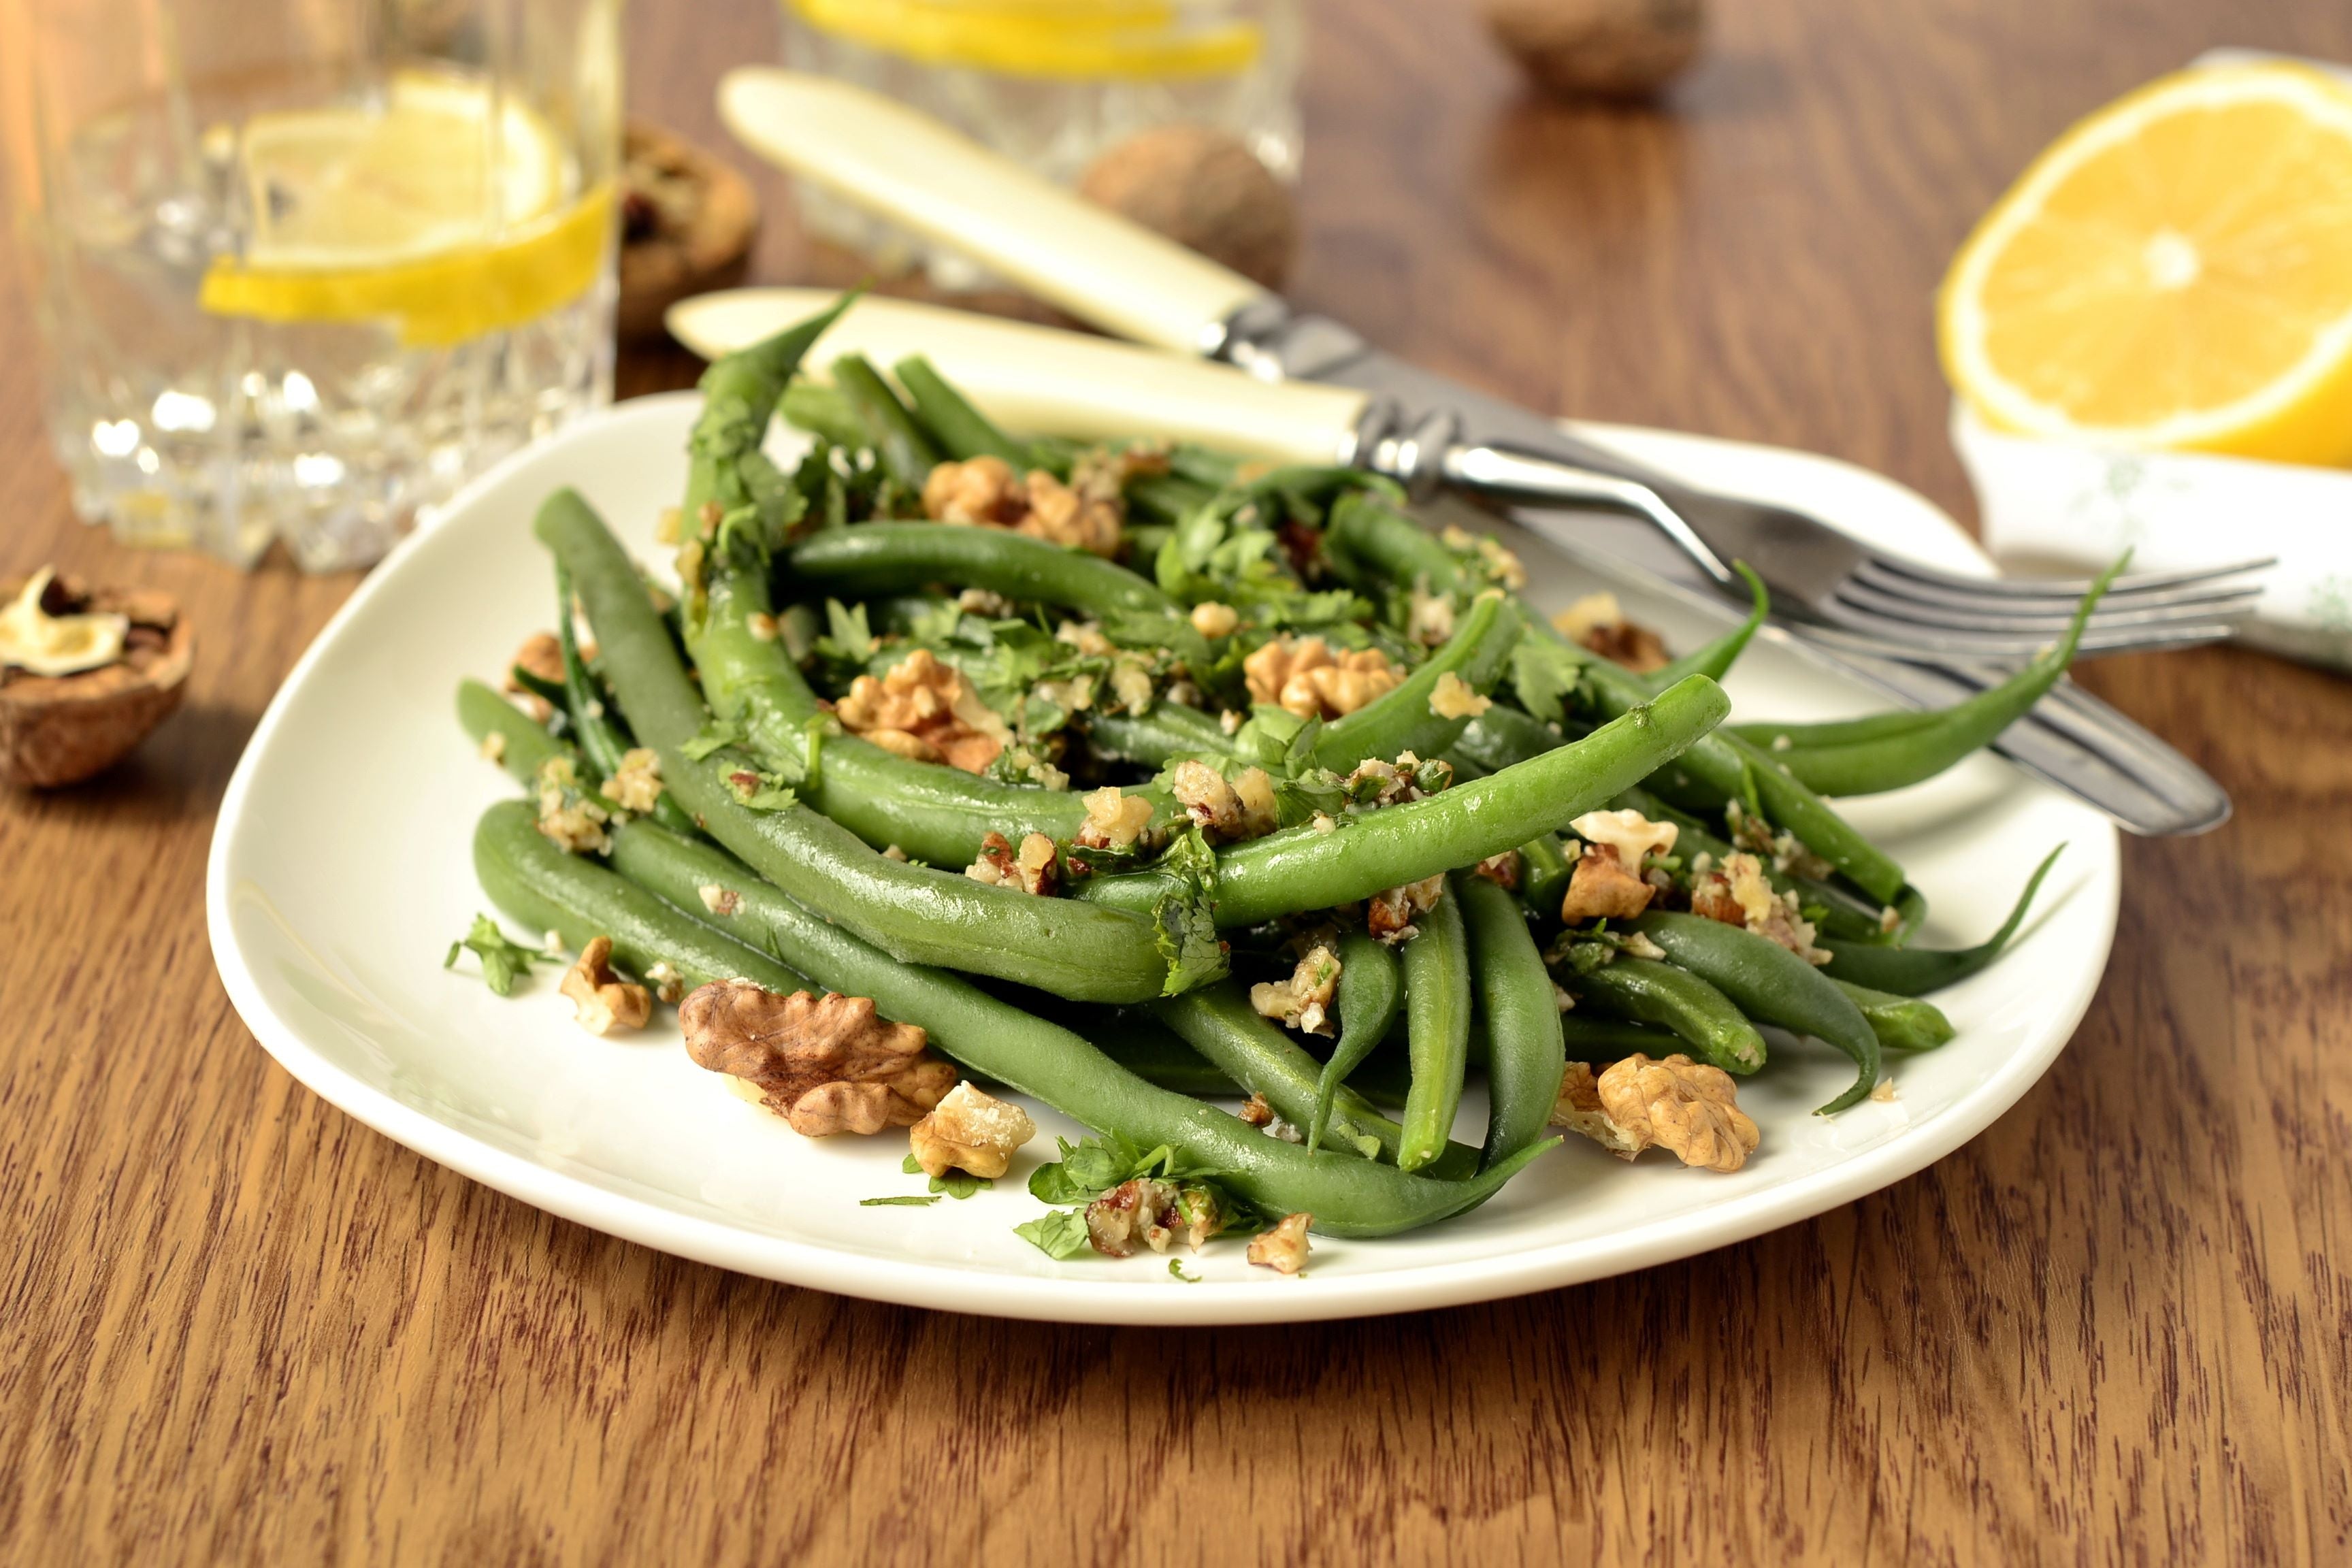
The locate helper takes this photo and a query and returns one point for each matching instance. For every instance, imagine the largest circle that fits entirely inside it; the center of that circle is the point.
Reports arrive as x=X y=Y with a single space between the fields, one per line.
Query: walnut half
x=827 y=1065
x=1686 y=1108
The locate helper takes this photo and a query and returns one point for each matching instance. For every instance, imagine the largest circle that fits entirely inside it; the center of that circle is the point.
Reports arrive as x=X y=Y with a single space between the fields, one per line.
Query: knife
x=1101 y=268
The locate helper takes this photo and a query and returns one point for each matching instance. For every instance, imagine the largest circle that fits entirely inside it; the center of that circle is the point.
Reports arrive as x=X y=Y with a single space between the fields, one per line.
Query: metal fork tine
x=1939 y=613
x=2061 y=609
x=1967 y=642
x=2066 y=587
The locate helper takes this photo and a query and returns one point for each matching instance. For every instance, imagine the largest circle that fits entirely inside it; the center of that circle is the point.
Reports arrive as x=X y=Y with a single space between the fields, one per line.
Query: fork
x=1821 y=576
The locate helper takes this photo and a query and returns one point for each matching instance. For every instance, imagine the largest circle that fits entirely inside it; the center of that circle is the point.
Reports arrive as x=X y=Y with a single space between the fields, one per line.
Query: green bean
x=824 y=412
x=1156 y=737
x=935 y=813
x=1900 y=1022
x=542 y=889
x=919 y=914
x=1436 y=962
x=1348 y=1196
x=900 y=557
x=1219 y=1022
x=1366 y=999
x=1403 y=720
x=1696 y=1012
x=1916 y=971
x=1165 y=496
x=1502 y=736
x=1890 y=750
x=1599 y=1041
x=1716 y=658
x=1384 y=545
x=1544 y=873
x=1772 y=986
x=1301 y=869
x=1519 y=1011
x=1152 y=1052
x=522 y=744
x=739 y=392
x=908 y=453
x=603 y=742
x=962 y=431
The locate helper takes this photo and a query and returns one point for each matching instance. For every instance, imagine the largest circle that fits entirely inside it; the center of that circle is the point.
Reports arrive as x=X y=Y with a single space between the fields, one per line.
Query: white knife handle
x=890 y=160
x=1037 y=381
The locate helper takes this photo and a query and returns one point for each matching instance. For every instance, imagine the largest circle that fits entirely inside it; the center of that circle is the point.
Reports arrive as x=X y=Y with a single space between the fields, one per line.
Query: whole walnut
x=1204 y=190
x=1605 y=48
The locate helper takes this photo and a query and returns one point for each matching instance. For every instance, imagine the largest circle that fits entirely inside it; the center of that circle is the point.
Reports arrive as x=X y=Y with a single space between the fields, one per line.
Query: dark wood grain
x=235 y=1326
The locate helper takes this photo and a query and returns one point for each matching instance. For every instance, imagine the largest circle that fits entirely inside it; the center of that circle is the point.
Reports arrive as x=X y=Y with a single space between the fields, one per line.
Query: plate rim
x=918 y=1283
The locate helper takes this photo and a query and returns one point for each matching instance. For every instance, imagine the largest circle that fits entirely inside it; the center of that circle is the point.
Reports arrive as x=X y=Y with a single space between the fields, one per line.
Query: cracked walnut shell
x=1686 y=1108
x=58 y=729
x=827 y=1065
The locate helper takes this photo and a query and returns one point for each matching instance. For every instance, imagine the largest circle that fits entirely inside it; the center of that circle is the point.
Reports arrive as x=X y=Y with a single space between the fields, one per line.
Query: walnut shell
x=687 y=221
x=1604 y=48
x=62 y=729
x=1204 y=190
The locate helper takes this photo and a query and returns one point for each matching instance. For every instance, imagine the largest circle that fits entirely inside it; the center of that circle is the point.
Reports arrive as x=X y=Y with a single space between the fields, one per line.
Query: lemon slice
x=1118 y=39
x=443 y=210
x=2175 y=271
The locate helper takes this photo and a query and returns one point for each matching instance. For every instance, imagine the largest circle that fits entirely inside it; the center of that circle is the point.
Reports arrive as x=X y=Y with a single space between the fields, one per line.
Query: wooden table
x=234 y=1325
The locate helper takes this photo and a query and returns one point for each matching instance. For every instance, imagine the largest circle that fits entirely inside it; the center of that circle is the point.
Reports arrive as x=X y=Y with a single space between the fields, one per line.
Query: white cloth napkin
x=2049 y=503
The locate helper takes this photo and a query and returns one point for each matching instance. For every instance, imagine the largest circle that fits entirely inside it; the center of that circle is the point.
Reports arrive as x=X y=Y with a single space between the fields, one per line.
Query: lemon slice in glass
x=2174 y=272
x=443 y=210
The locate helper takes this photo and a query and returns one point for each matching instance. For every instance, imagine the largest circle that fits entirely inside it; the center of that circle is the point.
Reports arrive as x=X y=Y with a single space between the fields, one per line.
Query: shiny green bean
x=1437 y=1004
x=1370 y=989
x=1518 y=1012
x=1772 y=986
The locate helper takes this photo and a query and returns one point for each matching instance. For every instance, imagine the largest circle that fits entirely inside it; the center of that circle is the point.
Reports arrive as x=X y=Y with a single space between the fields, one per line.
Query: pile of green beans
x=1126 y=999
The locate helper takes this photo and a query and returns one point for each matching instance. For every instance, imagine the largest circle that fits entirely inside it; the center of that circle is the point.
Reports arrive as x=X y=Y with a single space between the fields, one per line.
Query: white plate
x=340 y=872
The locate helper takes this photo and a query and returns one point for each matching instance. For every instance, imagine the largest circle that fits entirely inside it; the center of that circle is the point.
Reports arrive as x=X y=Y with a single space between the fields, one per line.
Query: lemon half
x=443 y=210
x=2175 y=271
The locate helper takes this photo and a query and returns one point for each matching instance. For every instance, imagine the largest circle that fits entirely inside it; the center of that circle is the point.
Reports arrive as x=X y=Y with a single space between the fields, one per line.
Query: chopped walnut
x=985 y=603
x=1303 y=1001
x=1429 y=617
x=1303 y=676
x=981 y=491
x=1085 y=519
x=1033 y=868
x=540 y=654
x=1739 y=894
x=1087 y=637
x=493 y=746
x=1505 y=869
x=636 y=784
x=1114 y=820
x=1227 y=811
x=1211 y=619
x=1688 y=1109
x=720 y=900
x=1597 y=623
x=925 y=709
x=760 y=626
x=969 y=1131
x=1501 y=564
x=1601 y=888
x=1153 y=1213
x=667 y=982
x=1395 y=782
x=1390 y=913
x=1256 y=1111
x=566 y=813
x=827 y=1065
x=1787 y=853
x=602 y=1001
x=1454 y=697
x=1634 y=836
x=1882 y=1091
x=1284 y=1249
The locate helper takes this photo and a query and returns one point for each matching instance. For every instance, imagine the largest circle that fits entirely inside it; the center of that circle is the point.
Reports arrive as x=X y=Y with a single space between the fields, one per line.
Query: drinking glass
x=300 y=268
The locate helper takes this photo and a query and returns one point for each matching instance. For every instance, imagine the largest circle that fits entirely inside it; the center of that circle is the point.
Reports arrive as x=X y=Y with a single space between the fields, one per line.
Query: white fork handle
x=905 y=166
x=1045 y=380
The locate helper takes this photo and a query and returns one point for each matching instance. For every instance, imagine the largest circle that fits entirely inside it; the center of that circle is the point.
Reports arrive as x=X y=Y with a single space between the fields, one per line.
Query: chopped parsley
x=908 y=1200
x=1059 y=1233
x=503 y=961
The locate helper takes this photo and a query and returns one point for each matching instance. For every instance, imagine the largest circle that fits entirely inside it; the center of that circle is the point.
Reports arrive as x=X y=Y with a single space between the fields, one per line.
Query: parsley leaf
x=1176 y=1268
x=1545 y=675
x=1186 y=916
x=911 y=1166
x=503 y=961
x=910 y=1201
x=711 y=738
x=1059 y=1235
x=958 y=1184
